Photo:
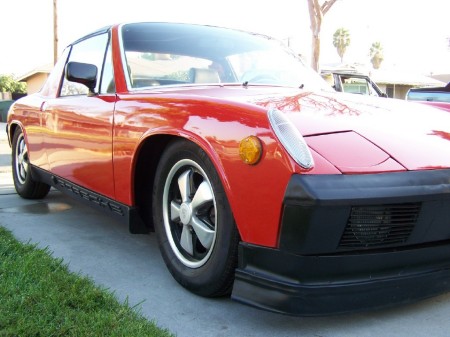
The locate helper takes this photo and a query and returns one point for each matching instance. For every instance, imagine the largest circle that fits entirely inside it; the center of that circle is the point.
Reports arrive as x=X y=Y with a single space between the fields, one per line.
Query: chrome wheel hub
x=185 y=214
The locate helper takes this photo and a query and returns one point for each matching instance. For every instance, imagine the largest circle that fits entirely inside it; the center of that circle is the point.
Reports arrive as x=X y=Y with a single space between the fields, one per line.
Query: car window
x=91 y=50
x=156 y=54
x=428 y=96
x=107 y=83
x=355 y=85
x=51 y=86
x=273 y=66
x=149 y=69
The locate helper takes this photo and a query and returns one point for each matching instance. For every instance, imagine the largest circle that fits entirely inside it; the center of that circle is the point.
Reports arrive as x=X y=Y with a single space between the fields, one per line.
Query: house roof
x=44 y=69
x=396 y=77
x=388 y=76
x=442 y=77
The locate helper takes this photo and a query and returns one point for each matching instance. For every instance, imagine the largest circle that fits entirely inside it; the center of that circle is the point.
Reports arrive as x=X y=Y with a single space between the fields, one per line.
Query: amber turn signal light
x=250 y=150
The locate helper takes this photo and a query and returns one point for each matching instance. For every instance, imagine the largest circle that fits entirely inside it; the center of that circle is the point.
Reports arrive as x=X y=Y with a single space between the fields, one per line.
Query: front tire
x=24 y=184
x=193 y=221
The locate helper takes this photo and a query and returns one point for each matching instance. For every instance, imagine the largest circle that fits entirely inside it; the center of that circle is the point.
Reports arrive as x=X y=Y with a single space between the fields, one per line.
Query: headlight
x=290 y=138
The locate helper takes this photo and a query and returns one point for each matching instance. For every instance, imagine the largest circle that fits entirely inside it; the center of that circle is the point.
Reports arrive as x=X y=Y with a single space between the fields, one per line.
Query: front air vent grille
x=379 y=226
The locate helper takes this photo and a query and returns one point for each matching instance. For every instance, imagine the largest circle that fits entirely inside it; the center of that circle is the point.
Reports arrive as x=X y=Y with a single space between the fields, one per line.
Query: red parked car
x=258 y=180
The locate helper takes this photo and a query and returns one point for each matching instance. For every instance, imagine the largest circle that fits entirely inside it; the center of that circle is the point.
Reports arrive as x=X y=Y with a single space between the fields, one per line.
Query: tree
x=341 y=40
x=376 y=54
x=9 y=84
x=316 y=13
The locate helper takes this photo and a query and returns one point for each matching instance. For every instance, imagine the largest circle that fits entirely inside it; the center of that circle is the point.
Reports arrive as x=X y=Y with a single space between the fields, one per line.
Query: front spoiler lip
x=269 y=290
x=309 y=275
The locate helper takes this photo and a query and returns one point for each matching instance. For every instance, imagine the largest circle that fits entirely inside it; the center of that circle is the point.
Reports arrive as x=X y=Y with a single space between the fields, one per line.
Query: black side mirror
x=83 y=73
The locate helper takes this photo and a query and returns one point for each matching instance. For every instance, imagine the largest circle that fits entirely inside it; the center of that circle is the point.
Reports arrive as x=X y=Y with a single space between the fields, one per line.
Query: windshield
x=275 y=66
x=167 y=54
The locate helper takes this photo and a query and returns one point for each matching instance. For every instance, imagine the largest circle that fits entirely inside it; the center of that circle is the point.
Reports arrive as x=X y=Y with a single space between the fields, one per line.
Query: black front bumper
x=390 y=258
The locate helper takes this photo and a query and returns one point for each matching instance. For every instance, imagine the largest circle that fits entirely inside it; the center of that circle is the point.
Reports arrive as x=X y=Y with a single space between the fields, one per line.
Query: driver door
x=79 y=124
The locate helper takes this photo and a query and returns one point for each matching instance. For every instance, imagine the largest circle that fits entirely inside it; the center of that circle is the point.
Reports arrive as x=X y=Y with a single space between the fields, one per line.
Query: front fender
x=255 y=192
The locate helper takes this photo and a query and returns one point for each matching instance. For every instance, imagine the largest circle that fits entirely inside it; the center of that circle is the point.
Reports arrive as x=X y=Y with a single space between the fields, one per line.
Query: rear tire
x=24 y=184
x=193 y=221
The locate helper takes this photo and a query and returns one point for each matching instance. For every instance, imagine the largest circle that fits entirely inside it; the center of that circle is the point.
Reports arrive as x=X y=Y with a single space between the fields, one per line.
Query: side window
x=51 y=86
x=107 y=85
x=91 y=50
x=355 y=85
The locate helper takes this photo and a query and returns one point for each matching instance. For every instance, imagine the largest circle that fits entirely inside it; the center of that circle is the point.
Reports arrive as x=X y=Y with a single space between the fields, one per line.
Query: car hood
x=357 y=133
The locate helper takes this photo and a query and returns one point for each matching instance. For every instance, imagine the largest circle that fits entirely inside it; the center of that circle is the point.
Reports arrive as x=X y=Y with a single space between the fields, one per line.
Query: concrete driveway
x=130 y=265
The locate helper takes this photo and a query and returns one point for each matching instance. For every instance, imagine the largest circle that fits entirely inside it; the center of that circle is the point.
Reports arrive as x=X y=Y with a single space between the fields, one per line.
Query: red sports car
x=257 y=180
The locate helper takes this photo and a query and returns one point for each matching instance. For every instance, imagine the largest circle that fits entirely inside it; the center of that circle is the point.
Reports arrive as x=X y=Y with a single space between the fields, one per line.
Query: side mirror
x=83 y=73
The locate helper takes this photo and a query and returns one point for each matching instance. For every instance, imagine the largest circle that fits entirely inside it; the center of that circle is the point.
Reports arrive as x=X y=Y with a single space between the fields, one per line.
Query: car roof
x=97 y=32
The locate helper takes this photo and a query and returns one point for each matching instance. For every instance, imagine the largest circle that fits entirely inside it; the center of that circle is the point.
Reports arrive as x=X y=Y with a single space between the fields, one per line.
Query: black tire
x=193 y=221
x=25 y=186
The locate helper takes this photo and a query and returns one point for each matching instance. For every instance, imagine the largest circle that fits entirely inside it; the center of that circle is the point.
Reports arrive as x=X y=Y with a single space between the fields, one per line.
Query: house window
x=390 y=91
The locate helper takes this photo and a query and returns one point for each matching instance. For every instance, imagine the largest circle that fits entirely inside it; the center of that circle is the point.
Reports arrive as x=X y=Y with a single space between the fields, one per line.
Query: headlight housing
x=290 y=138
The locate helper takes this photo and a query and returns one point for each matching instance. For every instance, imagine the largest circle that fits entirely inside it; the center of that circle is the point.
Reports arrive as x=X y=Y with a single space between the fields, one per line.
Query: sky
x=414 y=34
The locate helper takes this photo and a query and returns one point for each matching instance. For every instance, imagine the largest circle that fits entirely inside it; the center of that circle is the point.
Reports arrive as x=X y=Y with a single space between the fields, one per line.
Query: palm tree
x=376 y=54
x=341 y=40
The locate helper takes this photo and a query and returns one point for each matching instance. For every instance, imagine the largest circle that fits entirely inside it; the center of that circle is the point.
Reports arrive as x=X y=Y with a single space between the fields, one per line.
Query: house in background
x=397 y=83
x=36 y=78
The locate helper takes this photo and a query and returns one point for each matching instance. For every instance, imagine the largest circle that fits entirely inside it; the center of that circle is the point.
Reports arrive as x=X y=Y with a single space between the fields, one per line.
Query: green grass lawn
x=39 y=296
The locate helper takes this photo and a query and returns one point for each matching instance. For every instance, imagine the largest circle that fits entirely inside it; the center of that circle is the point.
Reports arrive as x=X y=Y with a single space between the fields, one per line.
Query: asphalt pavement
x=130 y=265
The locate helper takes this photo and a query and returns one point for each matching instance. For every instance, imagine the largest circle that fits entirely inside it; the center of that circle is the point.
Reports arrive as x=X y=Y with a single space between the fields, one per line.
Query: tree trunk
x=315 y=52
x=316 y=13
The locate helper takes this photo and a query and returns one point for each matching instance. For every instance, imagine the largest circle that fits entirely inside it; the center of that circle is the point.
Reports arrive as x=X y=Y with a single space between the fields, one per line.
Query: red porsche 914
x=258 y=180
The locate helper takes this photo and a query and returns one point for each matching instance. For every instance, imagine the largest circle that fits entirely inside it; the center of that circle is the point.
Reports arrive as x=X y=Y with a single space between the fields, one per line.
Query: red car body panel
x=440 y=105
x=253 y=205
x=79 y=146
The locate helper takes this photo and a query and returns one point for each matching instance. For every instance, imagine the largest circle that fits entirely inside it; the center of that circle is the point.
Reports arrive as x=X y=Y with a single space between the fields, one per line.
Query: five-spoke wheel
x=193 y=221
x=189 y=213
x=21 y=162
x=24 y=183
